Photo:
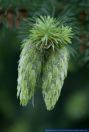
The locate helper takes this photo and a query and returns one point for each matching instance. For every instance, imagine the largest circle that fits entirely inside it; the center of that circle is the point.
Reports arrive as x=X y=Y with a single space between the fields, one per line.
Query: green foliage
x=48 y=32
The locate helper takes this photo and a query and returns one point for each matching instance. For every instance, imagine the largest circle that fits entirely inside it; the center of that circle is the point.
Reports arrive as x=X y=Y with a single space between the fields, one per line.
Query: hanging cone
x=54 y=74
x=48 y=44
x=28 y=71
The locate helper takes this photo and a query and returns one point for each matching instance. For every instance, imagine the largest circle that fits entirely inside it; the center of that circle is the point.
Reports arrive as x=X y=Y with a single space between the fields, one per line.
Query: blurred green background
x=72 y=109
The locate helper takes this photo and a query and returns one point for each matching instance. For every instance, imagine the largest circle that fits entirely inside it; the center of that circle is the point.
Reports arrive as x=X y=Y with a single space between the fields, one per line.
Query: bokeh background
x=72 y=109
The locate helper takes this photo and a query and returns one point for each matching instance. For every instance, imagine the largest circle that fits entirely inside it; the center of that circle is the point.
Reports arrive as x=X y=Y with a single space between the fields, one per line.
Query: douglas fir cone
x=44 y=54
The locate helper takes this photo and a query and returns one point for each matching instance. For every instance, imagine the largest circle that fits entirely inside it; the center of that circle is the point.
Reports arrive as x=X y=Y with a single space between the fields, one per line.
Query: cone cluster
x=45 y=54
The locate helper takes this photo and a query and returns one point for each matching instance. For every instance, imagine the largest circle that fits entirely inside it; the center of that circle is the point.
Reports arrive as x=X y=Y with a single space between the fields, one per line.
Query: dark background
x=72 y=109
